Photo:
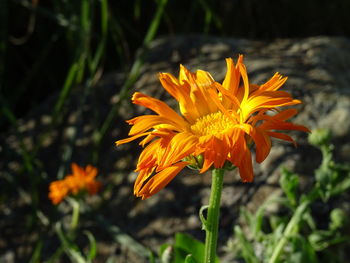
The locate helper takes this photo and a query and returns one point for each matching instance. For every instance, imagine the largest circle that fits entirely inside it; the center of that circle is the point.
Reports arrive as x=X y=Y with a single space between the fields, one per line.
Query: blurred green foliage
x=43 y=42
x=297 y=235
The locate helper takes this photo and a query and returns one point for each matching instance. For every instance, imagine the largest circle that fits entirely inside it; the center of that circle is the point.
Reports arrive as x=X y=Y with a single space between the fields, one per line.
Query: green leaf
x=37 y=252
x=152 y=258
x=186 y=245
x=247 y=217
x=189 y=259
x=339 y=218
x=166 y=253
x=302 y=251
x=123 y=238
x=290 y=184
x=343 y=183
x=247 y=249
x=92 y=242
x=69 y=247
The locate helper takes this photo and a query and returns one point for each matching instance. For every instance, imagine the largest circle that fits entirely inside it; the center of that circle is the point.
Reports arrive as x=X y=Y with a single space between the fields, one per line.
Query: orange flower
x=219 y=122
x=81 y=179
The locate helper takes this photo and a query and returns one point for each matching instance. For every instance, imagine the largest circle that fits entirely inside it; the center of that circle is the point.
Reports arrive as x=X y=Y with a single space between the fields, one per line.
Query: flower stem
x=75 y=214
x=212 y=222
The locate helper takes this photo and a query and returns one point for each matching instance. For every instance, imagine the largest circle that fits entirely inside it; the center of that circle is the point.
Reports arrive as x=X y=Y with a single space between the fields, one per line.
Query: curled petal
x=158 y=181
x=180 y=146
x=147 y=122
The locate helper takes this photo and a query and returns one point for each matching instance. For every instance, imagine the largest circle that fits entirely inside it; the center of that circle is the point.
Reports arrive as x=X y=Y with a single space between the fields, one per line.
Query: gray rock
x=318 y=71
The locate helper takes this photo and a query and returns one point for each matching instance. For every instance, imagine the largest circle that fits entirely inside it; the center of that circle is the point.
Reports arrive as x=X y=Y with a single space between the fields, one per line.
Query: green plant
x=295 y=235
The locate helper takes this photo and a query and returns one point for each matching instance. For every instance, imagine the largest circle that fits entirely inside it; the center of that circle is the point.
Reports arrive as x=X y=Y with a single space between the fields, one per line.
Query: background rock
x=318 y=71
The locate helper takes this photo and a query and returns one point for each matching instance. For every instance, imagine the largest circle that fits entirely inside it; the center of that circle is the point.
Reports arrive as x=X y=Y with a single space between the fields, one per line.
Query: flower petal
x=282 y=136
x=245 y=167
x=159 y=180
x=180 y=146
x=159 y=107
x=146 y=122
x=232 y=78
x=119 y=142
x=215 y=152
x=182 y=94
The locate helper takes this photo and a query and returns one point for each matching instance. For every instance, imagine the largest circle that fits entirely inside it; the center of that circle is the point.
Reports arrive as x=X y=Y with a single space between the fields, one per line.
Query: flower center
x=212 y=124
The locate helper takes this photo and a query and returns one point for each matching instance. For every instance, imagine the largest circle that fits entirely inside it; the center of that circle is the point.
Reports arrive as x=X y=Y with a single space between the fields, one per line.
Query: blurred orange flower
x=219 y=123
x=80 y=180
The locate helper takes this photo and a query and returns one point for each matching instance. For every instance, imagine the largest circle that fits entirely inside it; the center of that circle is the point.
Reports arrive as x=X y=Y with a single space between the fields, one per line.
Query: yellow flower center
x=212 y=124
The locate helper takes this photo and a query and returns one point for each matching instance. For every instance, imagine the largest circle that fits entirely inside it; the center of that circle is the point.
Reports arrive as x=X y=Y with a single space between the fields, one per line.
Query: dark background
x=36 y=55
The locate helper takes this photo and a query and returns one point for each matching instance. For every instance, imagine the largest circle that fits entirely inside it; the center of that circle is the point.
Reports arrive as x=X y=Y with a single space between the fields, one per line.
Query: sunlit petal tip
x=297 y=101
x=240 y=59
x=135 y=95
x=183 y=70
x=229 y=61
x=163 y=75
x=184 y=74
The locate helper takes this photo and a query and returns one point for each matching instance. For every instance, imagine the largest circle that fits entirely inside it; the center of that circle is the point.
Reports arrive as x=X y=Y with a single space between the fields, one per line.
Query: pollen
x=212 y=124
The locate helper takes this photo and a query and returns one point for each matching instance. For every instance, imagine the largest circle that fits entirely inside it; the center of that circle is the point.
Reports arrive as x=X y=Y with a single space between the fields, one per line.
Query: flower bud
x=319 y=137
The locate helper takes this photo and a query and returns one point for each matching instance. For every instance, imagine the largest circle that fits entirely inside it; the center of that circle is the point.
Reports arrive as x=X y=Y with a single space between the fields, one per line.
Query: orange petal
x=152 y=154
x=238 y=143
x=232 y=78
x=262 y=144
x=216 y=153
x=246 y=167
x=146 y=122
x=204 y=79
x=261 y=140
x=119 y=142
x=182 y=95
x=274 y=83
x=91 y=171
x=170 y=84
x=180 y=146
x=57 y=191
x=142 y=178
x=160 y=180
x=185 y=75
x=282 y=125
x=159 y=107
x=77 y=170
x=229 y=100
x=243 y=71
x=282 y=136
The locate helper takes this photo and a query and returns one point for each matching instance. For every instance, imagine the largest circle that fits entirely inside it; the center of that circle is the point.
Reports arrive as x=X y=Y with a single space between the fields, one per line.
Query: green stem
x=75 y=215
x=211 y=225
x=294 y=221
